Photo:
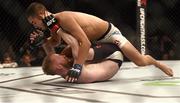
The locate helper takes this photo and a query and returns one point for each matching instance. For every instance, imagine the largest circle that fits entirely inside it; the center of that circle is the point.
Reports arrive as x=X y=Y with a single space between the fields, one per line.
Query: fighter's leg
x=142 y=60
x=115 y=36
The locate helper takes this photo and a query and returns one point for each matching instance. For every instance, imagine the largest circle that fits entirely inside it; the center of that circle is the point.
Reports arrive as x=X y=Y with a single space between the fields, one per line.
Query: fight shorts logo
x=115 y=32
x=117 y=42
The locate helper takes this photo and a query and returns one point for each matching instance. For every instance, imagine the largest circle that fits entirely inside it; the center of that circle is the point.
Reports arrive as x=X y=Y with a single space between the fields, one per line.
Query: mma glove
x=52 y=23
x=75 y=71
x=39 y=39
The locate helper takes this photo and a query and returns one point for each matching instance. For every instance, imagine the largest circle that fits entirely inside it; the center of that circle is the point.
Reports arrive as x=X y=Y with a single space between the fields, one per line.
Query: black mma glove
x=51 y=22
x=39 y=39
x=74 y=72
x=37 y=42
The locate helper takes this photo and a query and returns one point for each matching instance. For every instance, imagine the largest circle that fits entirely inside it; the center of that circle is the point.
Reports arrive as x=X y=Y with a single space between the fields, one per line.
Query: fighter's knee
x=142 y=61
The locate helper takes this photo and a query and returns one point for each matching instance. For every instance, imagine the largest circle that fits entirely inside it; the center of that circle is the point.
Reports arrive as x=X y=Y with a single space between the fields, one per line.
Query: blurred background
x=163 y=26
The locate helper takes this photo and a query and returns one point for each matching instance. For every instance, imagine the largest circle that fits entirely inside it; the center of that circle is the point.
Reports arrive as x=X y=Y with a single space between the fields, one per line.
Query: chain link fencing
x=162 y=24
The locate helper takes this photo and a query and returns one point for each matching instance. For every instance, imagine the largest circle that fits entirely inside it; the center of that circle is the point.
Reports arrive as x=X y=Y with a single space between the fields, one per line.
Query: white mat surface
x=130 y=85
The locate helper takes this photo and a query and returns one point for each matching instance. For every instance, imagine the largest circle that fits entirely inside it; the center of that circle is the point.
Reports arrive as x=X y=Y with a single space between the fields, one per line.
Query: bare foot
x=165 y=69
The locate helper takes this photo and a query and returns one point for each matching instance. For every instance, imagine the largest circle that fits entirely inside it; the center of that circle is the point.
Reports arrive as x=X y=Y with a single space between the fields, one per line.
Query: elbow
x=44 y=45
x=88 y=44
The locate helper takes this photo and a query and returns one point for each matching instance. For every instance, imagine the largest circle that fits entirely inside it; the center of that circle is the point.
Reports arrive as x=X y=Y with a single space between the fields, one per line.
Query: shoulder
x=64 y=14
x=67 y=19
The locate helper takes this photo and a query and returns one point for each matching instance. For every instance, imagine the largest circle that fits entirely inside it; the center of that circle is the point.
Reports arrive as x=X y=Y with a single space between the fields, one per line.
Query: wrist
x=51 y=22
x=77 y=66
x=55 y=28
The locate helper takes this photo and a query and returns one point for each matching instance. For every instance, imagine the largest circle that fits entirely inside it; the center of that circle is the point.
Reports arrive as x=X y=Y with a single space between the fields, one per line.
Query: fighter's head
x=35 y=13
x=56 y=64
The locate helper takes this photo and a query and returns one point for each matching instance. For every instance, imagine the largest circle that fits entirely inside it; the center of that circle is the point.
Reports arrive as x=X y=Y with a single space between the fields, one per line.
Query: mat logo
x=163 y=82
x=6 y=74
x=167 y=83
x=63 y=90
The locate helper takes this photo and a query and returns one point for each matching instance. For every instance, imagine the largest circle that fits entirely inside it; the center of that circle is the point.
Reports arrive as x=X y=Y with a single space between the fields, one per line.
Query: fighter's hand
x=36 y=38
x=34 y=35
x=52 y=23
x=74 y=73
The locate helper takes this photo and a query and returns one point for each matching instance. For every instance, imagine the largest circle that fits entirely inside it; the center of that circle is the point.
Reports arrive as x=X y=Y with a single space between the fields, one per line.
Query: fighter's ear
x=41 y=14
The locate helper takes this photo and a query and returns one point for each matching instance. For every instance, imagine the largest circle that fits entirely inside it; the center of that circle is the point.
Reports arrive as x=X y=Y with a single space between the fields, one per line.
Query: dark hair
x=46 y=66
x=33 y=9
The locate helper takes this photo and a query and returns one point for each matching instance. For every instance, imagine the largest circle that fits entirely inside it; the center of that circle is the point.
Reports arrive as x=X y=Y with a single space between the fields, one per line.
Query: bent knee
x=142 y=61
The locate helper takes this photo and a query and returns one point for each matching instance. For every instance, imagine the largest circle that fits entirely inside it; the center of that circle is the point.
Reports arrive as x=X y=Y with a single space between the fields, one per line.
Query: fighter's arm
x=67 y=51
x=50 y=43
x=71 y=41
x=69 y=24
x=38 y=38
